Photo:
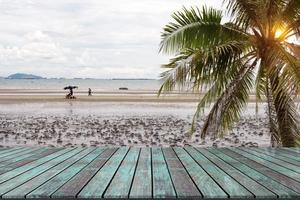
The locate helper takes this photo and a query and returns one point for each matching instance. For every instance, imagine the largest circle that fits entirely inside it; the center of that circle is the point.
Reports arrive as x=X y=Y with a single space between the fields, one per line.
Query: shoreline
x=104 y=98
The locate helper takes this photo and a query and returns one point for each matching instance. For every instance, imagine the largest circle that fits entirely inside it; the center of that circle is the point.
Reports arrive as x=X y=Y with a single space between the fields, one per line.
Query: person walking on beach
x=90 y=92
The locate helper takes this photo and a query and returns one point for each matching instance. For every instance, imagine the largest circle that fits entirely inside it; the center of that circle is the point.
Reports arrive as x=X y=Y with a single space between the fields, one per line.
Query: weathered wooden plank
x=284 y=153
x=21 y=179
x=17 y=171
x=258 y=190
x=5 y=150
x=208 y=187
x=282 y=163
x=78 y=163
x=98 y=184
x=71 y=188
x=21 y=157
x=142 y=183
x=16 y=155
x=184 y=186
x=271 y=165
x=274 y=186
x=279 y=155
x=284 y=180
x=47 y=176
x=292 y=149
x=121 y=183
x=43 y=152
x=232 y=187
x=162 y=182
x=12 y=152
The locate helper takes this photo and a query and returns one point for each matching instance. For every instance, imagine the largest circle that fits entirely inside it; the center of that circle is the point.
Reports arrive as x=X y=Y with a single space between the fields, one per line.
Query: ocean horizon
x=83 y=84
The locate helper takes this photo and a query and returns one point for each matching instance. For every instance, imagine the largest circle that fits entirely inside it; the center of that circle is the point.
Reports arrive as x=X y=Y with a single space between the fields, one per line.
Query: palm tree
x=227 y=60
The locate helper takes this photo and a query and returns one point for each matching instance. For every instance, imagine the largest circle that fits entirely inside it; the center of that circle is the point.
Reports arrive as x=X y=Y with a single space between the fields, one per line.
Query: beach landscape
x=137 y=117
x=139 y=99
x=192 y=76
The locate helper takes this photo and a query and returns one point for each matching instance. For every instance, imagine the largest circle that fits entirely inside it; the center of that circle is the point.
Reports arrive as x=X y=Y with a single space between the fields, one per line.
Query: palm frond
x=228 y=107
x=244 y=13
x=286 y=112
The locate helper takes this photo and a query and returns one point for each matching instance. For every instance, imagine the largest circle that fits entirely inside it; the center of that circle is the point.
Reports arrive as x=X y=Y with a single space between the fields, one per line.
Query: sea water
x=83 y=84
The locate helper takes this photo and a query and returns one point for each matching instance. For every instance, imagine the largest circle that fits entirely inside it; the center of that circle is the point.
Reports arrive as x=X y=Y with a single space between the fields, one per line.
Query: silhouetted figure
x=70 y=95
x=90 y=92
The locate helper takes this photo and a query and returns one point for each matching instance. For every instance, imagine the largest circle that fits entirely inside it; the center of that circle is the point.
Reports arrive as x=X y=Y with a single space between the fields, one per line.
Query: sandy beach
x=117 y=120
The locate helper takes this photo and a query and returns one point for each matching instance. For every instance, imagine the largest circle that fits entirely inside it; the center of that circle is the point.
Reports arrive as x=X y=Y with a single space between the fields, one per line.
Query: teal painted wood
x=5 y=150
x=47 y=189
x=292 y=150
x=184 y=186
x=284 y=180
x=97 y=185
x=15 y=172
x=255 y=188
x=279 y=155
x=208 y=187
x=232 y=187
x=284 y=153
x=142 y=183
x=12 y=152
x=162 y=182
x=121 y=183
x=71 y=188
x=274 y=186
x=51 y=173
x=282 y=163
x=273 y=166
x=28 y=154
x=43 y=152
x=21 y=179
x=17 y=155
x=38 y=181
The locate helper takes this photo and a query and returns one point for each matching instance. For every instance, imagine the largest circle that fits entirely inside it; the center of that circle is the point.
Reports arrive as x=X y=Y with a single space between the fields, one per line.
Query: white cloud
x=90 y=38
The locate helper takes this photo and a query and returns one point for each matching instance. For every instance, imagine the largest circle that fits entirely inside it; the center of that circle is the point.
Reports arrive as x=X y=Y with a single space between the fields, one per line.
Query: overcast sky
x=86 y=38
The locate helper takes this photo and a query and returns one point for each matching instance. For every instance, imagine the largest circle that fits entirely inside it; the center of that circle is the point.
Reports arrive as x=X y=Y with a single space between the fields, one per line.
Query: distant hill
x=23 y=76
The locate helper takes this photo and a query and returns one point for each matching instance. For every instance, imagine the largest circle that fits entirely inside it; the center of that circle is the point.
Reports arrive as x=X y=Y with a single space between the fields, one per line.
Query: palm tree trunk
x=273 y=124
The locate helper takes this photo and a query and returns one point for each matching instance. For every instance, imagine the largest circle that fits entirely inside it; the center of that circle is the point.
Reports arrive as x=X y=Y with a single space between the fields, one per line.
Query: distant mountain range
x=32 y=76
x=23 y=76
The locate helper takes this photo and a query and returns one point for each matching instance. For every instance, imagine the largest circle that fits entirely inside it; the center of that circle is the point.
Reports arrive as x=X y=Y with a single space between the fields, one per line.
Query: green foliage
x=228 y=59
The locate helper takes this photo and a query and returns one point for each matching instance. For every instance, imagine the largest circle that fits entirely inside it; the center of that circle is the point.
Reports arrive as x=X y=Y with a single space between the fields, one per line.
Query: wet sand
x=80 y=123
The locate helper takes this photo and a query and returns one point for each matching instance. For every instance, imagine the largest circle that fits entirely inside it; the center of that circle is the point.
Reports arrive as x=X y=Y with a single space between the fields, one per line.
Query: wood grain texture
x=61 y=176
x=149 y=173
x=279 y=155
x=162 y=182
x=228 y=184
x=38 y=181
x=20 y=170
x=44 y=152
x=274 y=186
x=251 y=185
x=275 y=160
x=208 y=187
x=275 y=167
x=22 y=178
x=121 y=183
x=142 y=183
x=71 y=188
x=269 y=172
x=98 y=184
x=183 y=184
